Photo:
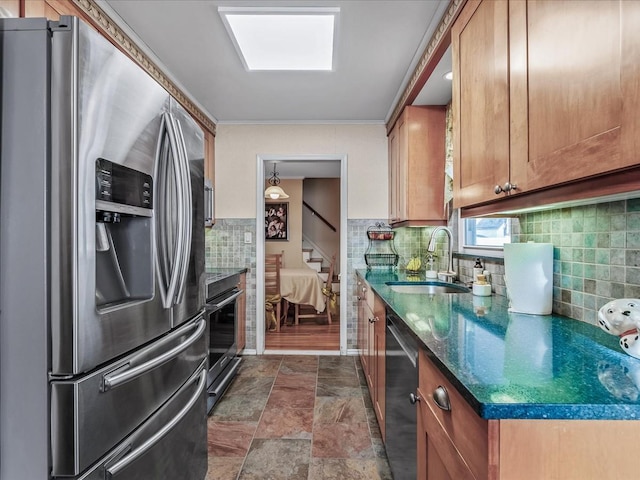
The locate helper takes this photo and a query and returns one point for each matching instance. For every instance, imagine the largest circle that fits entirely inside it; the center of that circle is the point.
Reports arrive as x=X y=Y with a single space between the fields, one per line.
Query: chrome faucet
x=450 y=274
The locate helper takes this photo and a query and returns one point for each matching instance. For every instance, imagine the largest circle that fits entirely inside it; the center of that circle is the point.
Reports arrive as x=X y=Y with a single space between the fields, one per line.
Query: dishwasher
x=401 y=368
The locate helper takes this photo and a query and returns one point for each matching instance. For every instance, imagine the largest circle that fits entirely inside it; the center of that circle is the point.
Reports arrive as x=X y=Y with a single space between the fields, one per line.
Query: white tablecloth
x=302 y=286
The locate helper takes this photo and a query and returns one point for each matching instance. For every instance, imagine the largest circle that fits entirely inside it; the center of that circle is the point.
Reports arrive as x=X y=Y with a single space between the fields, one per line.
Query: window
x=484 y=234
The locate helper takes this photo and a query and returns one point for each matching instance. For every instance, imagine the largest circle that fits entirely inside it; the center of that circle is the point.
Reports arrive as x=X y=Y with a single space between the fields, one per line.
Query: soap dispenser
x=477 y=270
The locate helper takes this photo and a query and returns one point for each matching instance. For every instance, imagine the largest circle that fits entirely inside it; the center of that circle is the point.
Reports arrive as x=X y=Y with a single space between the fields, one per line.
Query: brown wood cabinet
x=416 y=167
x=371 y=346
x=241 y=327
x=457 y=444
x=544 y=96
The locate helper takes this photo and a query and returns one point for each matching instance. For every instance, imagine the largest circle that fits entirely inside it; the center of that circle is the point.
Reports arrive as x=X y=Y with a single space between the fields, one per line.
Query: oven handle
x=115 y=378
x=156 y=437
x=217 y=306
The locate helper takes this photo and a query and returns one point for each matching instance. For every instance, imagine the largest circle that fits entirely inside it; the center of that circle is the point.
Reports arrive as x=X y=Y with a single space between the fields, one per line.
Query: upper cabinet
x=416 y=167
x=545 y=96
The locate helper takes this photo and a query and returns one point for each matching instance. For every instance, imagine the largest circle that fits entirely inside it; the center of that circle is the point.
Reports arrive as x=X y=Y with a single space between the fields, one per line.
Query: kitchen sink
x=429 y=288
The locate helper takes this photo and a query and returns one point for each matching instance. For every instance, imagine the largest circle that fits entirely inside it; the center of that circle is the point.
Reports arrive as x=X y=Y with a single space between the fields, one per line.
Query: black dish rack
x=381 y=251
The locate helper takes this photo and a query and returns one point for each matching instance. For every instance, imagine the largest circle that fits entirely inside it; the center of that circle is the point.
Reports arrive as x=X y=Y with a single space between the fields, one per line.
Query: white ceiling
x=379 y=43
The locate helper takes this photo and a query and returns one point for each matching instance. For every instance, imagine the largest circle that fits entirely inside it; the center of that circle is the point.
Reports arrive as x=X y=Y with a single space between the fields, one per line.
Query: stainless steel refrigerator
x=102 y=335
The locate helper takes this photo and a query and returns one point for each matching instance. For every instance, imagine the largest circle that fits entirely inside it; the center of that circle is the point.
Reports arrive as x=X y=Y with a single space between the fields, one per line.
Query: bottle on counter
x=478 y=269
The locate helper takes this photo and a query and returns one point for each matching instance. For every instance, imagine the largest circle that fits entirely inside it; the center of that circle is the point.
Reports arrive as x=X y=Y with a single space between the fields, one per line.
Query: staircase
x=321 y=266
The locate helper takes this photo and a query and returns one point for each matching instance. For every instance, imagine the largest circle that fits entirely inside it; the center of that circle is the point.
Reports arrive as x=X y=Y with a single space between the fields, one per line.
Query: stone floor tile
x=338 y=387
x=339 y=410
x=342 y=440
x=224 y=468
x=296 y=379
x=260 y=366
x=278 y=422
x=342 y=469
x=239 y=408
x=229 y=439
x=244 y=385
x=277 y=459
x=292 y=397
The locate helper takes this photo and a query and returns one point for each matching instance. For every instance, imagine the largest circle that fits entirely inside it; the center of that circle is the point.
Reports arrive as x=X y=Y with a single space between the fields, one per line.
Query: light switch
x=247 y=237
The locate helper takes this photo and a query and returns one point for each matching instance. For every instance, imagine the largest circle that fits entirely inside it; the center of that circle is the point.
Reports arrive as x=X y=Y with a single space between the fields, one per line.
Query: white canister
x=528 y=276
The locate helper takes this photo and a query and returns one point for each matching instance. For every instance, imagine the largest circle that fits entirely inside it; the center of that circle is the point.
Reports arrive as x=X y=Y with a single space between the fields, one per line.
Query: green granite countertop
x=509 y=365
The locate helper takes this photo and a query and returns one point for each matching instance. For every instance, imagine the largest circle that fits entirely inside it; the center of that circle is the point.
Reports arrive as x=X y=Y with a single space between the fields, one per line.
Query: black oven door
x=222 y=312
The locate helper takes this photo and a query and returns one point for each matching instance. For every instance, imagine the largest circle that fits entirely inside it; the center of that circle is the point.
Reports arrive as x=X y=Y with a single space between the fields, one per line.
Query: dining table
x=302 y=286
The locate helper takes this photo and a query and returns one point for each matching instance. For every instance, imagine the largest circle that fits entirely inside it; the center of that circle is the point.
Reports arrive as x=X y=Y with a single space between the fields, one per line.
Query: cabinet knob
x=413 y=398
x=371 y=320
x=441 y=398
x=509 y=186
x=506 y=188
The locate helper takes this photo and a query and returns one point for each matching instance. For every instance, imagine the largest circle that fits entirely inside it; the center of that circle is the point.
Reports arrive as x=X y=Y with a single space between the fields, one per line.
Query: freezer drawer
x=90 y=415
x=172 y=444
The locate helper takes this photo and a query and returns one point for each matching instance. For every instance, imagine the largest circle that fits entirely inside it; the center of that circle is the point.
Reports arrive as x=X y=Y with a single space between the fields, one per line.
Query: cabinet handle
x=441 y=398
x=509 y=186
x=506 y=188
x=413 y=398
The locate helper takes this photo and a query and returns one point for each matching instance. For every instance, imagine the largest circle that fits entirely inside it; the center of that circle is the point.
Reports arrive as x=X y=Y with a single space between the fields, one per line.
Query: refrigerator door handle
x=156 y=437
x=130 y=370
x=208 y=203
x=168 y=289
x=187 y=206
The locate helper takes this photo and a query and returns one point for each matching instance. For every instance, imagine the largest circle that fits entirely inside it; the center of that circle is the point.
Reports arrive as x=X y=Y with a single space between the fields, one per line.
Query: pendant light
x=273 y=191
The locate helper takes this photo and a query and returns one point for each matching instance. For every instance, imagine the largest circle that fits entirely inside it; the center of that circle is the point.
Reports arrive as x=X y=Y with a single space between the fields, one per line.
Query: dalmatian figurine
x=622 y=318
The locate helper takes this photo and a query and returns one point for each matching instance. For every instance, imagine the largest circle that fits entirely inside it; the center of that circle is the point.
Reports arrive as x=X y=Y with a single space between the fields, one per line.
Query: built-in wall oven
x=222 y=307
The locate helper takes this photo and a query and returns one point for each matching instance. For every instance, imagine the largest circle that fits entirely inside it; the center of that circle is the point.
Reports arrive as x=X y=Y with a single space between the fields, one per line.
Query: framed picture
x=276 y=221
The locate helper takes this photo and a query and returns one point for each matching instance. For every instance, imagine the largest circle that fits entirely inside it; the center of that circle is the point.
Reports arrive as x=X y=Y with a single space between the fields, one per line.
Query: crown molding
x=124 y=42
x=430 y=57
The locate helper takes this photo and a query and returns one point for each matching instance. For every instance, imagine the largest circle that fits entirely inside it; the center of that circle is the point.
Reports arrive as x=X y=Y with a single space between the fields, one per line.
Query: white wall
x=238 y=145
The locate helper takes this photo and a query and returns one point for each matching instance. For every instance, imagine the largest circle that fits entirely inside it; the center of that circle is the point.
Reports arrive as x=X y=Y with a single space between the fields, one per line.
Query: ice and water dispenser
x=123 y=236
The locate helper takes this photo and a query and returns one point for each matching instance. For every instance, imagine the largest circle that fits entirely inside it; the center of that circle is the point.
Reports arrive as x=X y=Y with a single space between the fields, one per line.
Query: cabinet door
x=416 y=167
x=573 y=89
x=394 y=175
x=438 y=458
x=480 y=101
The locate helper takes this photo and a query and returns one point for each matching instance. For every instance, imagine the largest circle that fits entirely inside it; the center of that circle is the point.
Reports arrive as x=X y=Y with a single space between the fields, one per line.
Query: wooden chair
x=327 y=311
x=272 y=266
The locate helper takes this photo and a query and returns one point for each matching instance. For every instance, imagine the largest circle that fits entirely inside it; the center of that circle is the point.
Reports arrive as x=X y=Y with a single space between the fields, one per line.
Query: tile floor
x=296 y=418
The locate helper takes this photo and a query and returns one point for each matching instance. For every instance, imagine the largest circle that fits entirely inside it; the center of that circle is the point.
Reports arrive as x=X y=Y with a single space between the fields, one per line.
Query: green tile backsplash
x=596 y=254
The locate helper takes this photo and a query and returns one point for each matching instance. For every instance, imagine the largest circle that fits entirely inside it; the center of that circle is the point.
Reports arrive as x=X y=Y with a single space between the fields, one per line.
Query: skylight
x=274 y=38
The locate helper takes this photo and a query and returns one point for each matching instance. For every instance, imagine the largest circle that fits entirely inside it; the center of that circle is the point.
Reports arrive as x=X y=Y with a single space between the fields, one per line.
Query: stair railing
x=320 y=217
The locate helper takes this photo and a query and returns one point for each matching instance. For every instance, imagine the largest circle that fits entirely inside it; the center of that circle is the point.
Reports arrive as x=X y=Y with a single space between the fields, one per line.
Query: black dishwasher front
x=401 y=381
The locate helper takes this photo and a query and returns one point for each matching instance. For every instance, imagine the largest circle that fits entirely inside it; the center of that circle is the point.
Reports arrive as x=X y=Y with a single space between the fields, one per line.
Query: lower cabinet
x=241 y=318
x=371 y=345
x=452 y=438
x=455 y=443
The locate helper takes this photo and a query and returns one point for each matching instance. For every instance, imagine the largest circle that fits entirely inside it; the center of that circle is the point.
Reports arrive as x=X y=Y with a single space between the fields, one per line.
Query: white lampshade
x=274 y=192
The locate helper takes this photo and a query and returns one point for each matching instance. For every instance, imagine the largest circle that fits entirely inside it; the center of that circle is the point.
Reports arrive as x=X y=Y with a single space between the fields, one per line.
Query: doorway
x=264 y=165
